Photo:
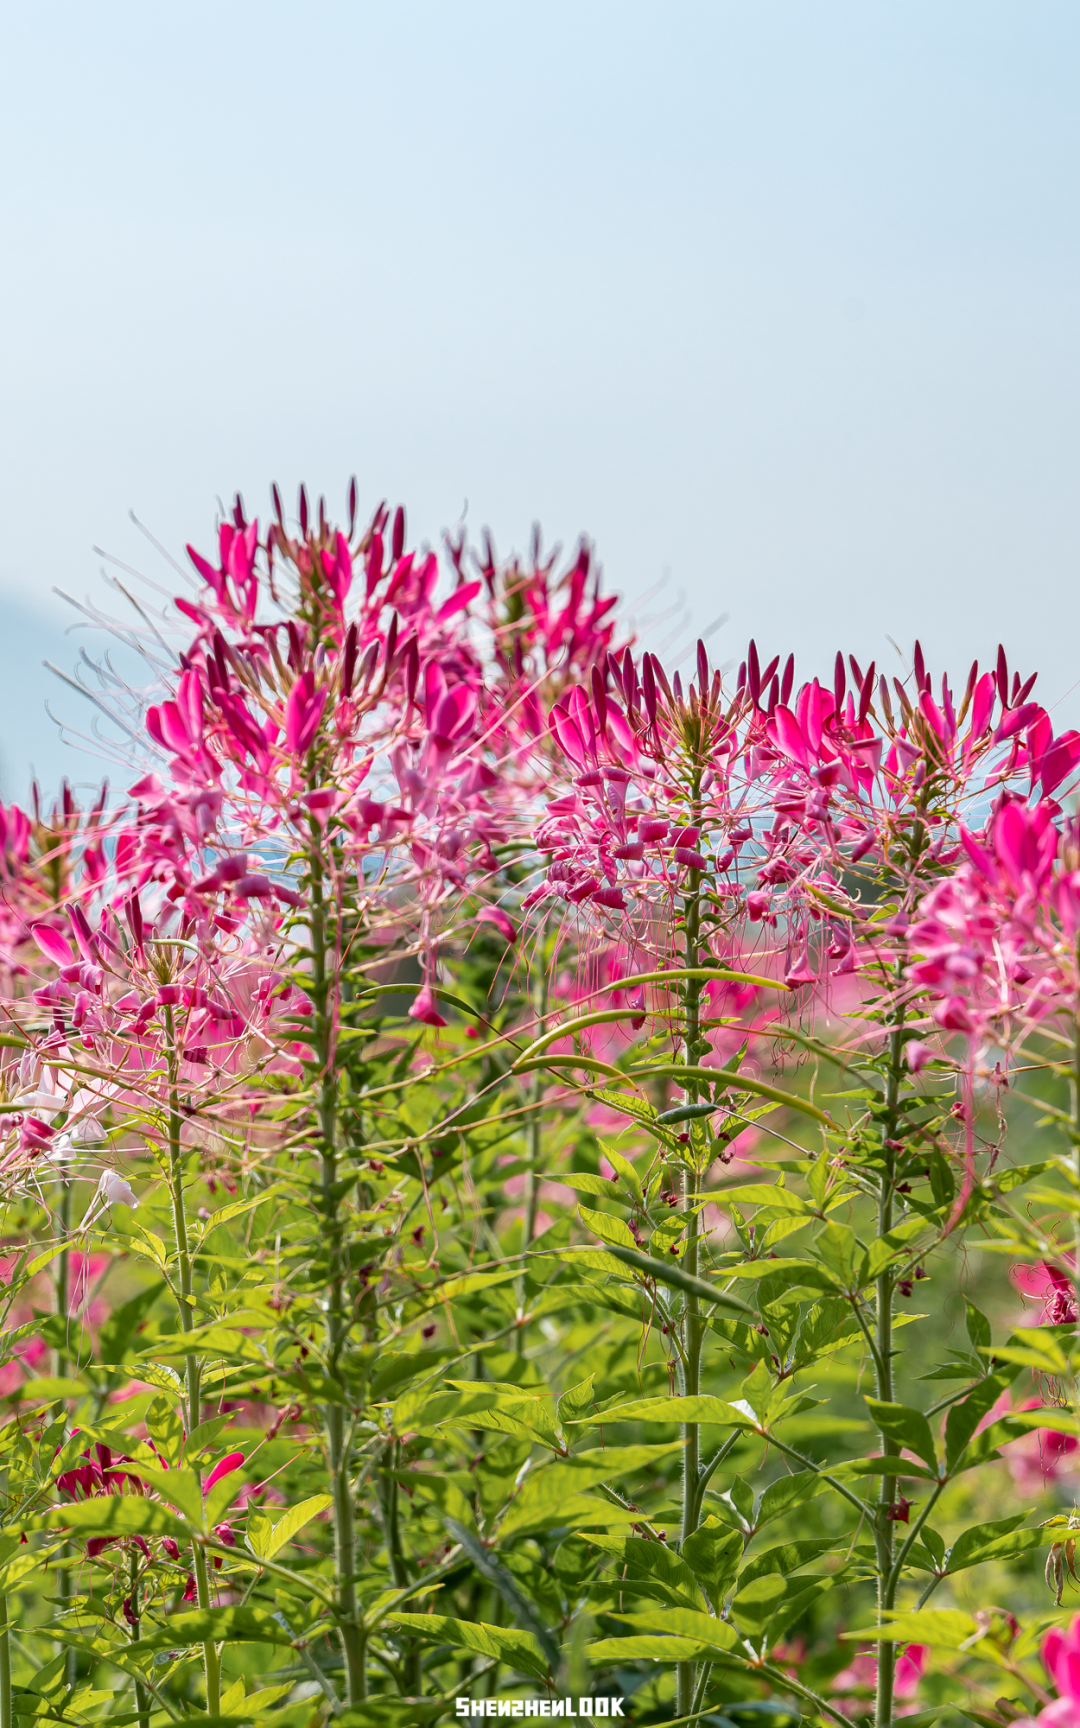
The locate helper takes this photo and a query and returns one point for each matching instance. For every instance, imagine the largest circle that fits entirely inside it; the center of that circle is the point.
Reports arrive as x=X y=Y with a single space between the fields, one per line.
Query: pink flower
x=424 y=1008
x=223 y=1467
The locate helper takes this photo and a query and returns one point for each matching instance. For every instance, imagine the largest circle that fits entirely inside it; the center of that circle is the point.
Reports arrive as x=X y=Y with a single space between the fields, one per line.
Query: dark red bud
x=303 y=510
x=398 y=543
x=412 y=669
x=348 y=660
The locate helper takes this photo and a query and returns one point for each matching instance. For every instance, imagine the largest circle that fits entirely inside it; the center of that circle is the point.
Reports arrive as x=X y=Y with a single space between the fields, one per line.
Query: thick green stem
x=883 y=1372
x=192 y=1370
x=142 y=1698
x=65 y=1582
x=335 y=1429
x=399 y=1572
x=690 y=1368
x=534 y=1133
x=5 y=1666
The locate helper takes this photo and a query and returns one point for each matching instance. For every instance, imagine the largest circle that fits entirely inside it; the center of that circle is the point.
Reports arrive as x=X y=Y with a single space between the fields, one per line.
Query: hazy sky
x=780 y=299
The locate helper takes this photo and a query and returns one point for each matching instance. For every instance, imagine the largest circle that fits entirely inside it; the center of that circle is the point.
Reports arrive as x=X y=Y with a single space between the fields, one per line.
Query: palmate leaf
x=521 y=1650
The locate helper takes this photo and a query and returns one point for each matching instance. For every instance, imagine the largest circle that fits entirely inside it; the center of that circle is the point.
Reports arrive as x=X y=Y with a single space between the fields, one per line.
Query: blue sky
x=776 y=301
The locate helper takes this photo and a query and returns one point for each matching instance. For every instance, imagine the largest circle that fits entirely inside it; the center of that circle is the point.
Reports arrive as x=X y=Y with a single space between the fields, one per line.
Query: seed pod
x=685 y=1113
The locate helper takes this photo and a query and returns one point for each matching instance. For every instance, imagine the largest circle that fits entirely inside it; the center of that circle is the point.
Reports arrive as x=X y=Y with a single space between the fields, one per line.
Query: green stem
x=883 y=1373
x=534 y=1134
x=693 y=1329
x=5 y=1666
x=399 y=1572
x=192 y=1370
x=65 y=1582
x=323 y=976
x=142 y=1700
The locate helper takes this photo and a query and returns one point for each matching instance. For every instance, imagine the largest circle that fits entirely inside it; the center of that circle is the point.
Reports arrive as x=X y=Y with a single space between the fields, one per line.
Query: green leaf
x=712 y=1553
x=239 y=1207
x=771 y=1194
x=585 y=1183
x=166 y=1430
x=625 y=1170
x=657 y=1648
x=786 y=1559
x=653 y=1569
x=942 y=1628
x=1000 y=1540
x=246 y=1624
x=791 y=1273
x=180 y=1488
x=575 y=1399
x=904 y=1427
x=607 y=1228
x=700 y=1409
x=788 y=1491
x=978 y=1326
x=114 y=1515
x=839 y=1249
x=964 y=1417
x=686 y=1623
x=265 y=1544
x=754 y=1606
x=519 y=1649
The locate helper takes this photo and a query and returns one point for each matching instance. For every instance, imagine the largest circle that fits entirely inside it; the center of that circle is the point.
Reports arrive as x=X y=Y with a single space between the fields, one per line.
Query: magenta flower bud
x=223 y=1467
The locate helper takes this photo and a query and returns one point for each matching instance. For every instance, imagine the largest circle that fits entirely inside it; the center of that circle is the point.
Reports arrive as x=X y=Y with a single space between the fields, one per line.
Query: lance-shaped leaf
x=964 y=1417
x=519 y=1649
x=686 y=1623
x=652 y=1569
x=266 y=1543
x=942 y=1628
x=904 y=1427
x=701 y=1408
x=611 y=1230
x=713 y=1553
x=1000 y=1540
x=114 y=1515
x=240 y=1624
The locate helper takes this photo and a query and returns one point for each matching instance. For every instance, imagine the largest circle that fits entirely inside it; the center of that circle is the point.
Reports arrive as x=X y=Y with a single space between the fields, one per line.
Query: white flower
x=114 y=1191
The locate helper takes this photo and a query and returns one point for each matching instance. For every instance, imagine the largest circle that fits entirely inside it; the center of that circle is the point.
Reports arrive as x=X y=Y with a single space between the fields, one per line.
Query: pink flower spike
x=223 y=1467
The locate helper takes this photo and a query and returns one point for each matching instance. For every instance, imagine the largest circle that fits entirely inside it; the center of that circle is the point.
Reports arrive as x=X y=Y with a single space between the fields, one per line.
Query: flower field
x=537 y=1181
